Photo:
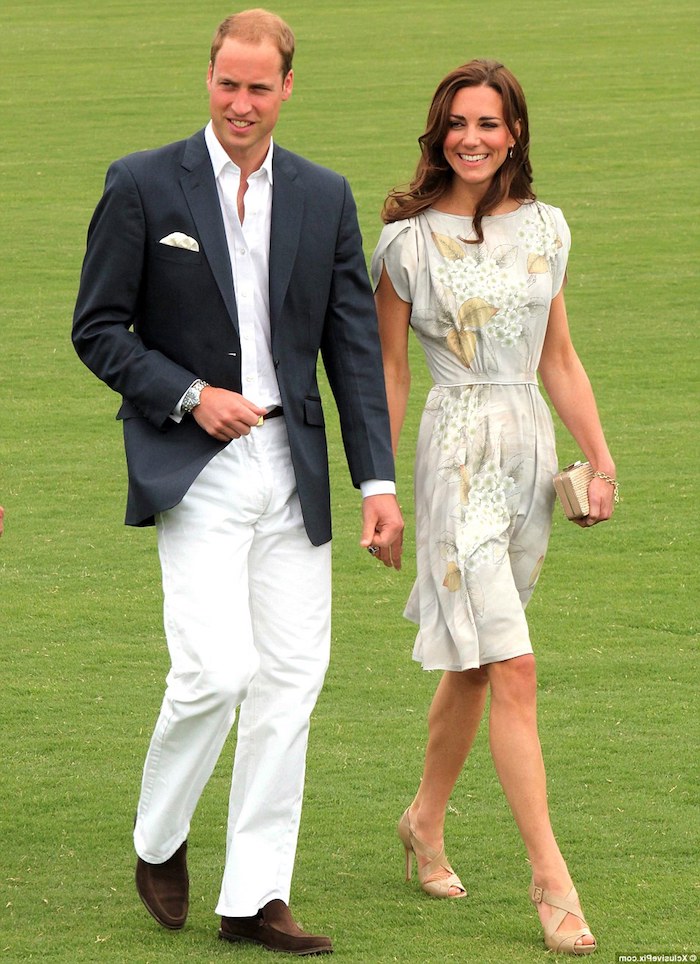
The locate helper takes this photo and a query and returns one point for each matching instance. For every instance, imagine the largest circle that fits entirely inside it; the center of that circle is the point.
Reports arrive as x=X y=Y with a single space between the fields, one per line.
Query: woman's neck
x=460 y=200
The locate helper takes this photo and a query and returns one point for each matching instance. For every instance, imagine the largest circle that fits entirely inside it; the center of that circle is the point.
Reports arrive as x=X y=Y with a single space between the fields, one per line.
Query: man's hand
x=383 y=528
x=225 y=415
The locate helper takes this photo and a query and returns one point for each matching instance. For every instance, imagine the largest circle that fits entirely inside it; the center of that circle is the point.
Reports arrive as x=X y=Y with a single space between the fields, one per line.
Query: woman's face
x=477 y=139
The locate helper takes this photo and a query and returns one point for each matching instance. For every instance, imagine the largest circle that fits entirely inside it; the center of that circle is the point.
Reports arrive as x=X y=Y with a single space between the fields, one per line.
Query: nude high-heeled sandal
x=437 y=862
x=563 y=942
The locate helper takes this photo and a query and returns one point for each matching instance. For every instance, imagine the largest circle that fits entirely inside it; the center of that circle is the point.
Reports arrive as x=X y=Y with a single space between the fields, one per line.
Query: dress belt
x=526 y=378
x=273 y=413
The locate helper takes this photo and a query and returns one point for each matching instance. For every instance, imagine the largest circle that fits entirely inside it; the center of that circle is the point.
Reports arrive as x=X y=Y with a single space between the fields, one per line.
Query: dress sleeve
x=562 y=253
x=396 y=250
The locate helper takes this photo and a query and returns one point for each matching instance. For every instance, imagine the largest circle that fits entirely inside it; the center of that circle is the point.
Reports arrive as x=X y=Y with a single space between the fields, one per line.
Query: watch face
x=192 y=396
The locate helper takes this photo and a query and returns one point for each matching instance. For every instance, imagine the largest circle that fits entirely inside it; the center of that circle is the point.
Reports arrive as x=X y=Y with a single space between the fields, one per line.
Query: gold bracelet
x=613 y=482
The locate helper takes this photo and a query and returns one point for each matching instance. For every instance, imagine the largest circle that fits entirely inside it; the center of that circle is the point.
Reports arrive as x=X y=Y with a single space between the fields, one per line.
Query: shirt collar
x=219 y=157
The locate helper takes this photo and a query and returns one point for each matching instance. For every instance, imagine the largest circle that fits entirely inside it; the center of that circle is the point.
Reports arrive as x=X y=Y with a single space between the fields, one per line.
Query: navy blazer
x=151 y=318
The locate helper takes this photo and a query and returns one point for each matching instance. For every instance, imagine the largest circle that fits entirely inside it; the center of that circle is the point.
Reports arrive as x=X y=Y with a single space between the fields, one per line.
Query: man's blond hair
x=253 y=27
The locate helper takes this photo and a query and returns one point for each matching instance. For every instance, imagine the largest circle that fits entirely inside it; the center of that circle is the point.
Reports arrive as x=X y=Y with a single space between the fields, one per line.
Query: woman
x=476 y=266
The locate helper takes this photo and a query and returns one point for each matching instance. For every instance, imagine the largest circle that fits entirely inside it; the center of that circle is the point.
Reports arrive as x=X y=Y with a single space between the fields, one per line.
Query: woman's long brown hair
x=434 y=175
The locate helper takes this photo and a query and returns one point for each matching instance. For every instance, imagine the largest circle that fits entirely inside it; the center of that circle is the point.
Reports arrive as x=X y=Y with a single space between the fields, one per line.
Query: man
x=216 y=269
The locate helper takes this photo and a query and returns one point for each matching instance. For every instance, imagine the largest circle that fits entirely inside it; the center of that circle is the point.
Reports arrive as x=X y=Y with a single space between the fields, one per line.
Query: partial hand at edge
x=383 y=527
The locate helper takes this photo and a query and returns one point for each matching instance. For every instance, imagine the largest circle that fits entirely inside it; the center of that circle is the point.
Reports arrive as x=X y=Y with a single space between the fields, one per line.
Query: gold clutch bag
x=571 y=485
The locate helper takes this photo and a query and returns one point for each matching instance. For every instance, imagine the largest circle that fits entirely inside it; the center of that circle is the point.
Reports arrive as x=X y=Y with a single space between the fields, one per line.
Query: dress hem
x=526 y=651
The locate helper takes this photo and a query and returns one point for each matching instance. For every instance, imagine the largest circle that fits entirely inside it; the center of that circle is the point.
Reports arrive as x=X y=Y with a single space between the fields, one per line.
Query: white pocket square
x=179 y=240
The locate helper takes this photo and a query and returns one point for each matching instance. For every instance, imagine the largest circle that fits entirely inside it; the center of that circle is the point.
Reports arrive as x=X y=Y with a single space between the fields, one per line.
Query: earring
x=510 y=153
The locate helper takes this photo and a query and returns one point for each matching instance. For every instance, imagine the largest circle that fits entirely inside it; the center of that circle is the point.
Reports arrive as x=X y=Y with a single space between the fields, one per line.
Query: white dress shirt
x=249 y=251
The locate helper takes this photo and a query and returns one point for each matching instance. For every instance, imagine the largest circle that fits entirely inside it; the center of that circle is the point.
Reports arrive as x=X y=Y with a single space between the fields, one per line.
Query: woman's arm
x=566 y=382
x=394 y=315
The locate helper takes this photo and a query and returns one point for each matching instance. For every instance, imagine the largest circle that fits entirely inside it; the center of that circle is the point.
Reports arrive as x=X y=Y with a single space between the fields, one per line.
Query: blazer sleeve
x=107 y=306
x=352 y=355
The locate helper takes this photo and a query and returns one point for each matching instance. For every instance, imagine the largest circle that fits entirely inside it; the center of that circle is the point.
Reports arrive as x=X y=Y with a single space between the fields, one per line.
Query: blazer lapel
x=287 y=208
x=199 y=187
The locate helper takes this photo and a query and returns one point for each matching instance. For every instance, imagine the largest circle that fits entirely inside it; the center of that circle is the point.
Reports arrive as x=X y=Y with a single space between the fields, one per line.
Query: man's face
x=246 y=91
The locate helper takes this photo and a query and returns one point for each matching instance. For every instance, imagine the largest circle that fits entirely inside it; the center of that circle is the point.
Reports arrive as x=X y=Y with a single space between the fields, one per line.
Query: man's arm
x=107 y=305
x=352 y=358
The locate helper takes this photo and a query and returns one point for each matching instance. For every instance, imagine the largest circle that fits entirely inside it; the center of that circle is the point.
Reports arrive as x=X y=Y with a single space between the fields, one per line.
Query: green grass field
x=613 y=95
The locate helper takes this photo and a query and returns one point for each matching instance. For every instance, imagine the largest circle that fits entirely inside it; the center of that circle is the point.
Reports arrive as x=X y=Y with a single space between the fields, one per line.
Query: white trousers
x=247 y=619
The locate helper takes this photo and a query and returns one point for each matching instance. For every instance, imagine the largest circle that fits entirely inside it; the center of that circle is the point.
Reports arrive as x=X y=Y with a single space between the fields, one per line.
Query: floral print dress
x=485 y=456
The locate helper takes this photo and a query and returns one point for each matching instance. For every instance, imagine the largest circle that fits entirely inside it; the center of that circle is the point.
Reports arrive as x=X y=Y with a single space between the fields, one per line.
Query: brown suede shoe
x=274 y=928
x=165 y=888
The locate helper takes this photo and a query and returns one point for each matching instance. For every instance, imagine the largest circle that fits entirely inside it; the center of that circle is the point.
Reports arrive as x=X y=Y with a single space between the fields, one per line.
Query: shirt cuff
x=176 y=415
x=377 y=487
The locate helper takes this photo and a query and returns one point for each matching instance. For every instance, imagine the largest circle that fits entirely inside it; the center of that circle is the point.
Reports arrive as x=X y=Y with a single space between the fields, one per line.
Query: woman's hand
x=601 y=502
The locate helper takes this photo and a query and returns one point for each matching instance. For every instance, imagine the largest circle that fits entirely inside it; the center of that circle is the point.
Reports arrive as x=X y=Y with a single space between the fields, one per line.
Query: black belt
x=273 y=413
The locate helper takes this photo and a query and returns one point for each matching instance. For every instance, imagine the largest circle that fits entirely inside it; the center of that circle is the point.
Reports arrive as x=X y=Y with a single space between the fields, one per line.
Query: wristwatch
x=191 y=396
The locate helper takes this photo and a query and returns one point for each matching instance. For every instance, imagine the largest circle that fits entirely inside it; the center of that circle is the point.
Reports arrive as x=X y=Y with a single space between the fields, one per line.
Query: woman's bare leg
x=453 y=721
x=517 y=756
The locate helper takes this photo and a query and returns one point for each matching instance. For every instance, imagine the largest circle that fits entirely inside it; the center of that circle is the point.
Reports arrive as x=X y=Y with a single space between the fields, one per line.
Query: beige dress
x=485 y=456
